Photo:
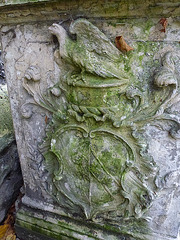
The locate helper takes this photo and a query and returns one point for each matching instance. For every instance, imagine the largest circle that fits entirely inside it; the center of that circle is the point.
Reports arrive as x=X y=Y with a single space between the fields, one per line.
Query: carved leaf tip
x=33 y=73
x=122 y=45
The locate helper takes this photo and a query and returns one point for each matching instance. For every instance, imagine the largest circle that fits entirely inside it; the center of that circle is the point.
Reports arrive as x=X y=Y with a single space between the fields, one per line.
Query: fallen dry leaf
x=164 y=23
x=11 y=237
x=46 y=119
x=3 y=230
x=122 y=45
x=7 y=231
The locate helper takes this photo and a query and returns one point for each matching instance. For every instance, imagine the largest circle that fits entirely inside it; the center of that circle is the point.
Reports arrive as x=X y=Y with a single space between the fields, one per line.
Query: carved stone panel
x=98 y=129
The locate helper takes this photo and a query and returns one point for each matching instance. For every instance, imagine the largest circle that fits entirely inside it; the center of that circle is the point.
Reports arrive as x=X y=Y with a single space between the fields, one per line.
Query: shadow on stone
x=10 y=174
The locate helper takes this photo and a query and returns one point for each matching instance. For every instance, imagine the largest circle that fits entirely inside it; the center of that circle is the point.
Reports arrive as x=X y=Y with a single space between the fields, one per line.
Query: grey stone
x=10 y=174
x=91 y=154
x=25 y=234
x=2 y=74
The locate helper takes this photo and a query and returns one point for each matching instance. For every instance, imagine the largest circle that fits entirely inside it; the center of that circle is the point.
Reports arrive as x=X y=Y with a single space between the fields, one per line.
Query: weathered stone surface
x=64 y=228
x=24 y=233
x=14 y=2
x=10 y=174
x=2 y=75
x=96 y=11
x=6 y=124
x=109 y=122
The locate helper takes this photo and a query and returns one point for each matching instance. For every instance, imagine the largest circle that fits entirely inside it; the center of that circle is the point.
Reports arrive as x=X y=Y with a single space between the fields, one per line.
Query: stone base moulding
x=34 y=224
x=57 y=227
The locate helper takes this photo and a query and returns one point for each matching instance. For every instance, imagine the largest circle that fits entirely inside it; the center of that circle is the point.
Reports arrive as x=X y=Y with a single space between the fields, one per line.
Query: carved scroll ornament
x=95 y=151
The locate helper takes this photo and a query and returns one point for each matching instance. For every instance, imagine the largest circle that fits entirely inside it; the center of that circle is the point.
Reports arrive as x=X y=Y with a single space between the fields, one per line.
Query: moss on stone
x=6 y=124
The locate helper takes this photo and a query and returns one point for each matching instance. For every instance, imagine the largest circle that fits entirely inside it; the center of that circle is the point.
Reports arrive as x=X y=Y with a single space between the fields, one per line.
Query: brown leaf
x=164 y=23
x=11 y=237
x=46 y=119
x=7 y=231
x=122 y=45
x=3 y=230
x=10 y=218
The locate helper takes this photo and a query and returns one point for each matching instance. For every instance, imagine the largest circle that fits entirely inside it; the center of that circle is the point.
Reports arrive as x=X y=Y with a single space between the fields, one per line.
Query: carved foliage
x=95 y=150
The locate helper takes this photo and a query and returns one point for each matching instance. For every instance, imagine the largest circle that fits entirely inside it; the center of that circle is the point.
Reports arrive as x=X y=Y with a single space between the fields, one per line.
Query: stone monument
x=97 y=120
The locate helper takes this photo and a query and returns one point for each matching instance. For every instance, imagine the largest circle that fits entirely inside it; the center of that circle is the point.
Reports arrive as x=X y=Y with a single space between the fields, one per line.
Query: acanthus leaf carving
x=95 y=150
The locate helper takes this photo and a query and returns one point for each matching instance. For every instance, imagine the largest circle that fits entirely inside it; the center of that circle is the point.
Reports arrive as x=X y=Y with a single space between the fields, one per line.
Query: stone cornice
x=18 y=11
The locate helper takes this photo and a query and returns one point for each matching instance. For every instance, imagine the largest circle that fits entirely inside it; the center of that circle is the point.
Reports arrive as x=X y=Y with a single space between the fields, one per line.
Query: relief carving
x=95 y=150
